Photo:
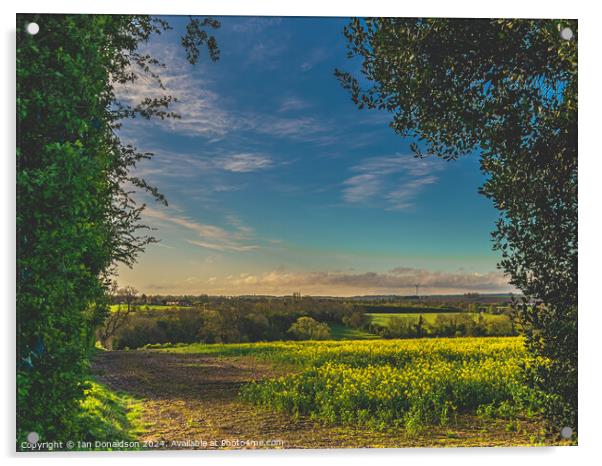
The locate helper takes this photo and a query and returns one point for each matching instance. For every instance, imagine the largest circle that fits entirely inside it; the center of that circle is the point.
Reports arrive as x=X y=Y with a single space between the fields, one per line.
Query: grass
x=384 y=318
x=108 y=416
x=342 y=332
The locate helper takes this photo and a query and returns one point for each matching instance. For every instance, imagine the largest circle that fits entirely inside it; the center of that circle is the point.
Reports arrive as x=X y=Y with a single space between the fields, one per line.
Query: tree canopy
x=505 y=89
x=76 y=216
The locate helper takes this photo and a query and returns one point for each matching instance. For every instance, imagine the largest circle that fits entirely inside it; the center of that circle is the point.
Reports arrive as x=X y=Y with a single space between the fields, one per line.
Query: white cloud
x=393 y=181
x=169 y=164
x=293 y=103
x=402 y=197
x=361 y=187
x=208 y=236
x=206 y=113
x=243 y=162
x=164 y=246
x=224 y=246
x=199 y=108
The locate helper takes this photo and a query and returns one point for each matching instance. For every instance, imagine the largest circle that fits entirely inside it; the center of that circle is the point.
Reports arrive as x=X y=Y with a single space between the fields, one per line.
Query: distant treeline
x=459 y=302
x=227 y=322
x=241 y=320
x=445 y=325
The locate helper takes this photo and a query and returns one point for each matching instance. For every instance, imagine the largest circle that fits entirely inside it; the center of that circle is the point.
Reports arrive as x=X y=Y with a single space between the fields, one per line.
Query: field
x=429 y=317
x=148 y=307
x=341 y=332
x=371 y=393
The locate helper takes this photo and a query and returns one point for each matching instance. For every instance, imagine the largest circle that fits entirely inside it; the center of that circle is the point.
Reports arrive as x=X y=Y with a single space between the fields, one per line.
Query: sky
x=277 y=183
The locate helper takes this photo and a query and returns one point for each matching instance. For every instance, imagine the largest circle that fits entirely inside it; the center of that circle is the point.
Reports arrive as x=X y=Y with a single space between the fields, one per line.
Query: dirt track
x=193 y=399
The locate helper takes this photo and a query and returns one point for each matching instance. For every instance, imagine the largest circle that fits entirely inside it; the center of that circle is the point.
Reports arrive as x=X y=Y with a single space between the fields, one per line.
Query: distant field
x=407 y=309
x=149 y=307
x=383 y=318
x=341 y=332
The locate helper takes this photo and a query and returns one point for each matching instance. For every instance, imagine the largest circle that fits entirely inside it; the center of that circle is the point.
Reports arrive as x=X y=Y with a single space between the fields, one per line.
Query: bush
x=306 y=328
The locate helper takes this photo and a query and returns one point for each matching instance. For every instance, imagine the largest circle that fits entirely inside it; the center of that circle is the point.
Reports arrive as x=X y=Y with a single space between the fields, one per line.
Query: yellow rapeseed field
x=388 y=383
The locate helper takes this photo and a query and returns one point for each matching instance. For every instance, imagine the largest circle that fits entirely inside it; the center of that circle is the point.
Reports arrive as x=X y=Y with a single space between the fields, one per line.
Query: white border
x=590 y=309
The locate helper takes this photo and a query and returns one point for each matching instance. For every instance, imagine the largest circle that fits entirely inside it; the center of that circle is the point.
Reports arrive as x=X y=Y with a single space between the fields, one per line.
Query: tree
x=306 y=328
x=420 y=324
x=76 y=217
x=117 y=318
x=506 y=90
x=357 y=319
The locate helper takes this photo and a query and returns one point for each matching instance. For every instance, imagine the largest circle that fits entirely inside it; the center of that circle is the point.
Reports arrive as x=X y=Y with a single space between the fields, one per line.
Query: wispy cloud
x=265 y=52
x=209 y=114
x=203 y=112
x=223 y=246
x=261 y=41
x=243 y=162
x=181 y=164
x=208 y=236
x=199 y=109
x=393 y=181
x=293 y=103
x=315 y=56
x=255 y=25
x=402 y=197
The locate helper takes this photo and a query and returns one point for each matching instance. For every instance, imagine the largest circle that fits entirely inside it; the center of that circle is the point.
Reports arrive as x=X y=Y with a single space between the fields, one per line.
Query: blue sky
x=277 y=183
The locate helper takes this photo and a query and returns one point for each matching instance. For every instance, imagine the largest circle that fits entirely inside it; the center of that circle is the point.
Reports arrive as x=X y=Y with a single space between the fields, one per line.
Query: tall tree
x=505 y=89
x=76 y=217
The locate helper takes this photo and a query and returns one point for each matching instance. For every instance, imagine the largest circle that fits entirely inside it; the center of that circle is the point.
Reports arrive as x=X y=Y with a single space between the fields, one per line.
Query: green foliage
x=506 y=89
x=357 y=319
x=341 y=332
x=306 y=328
x=225 y=321
x=75 y=215
x=107 y=416
x=156 y=327
x=441 y=325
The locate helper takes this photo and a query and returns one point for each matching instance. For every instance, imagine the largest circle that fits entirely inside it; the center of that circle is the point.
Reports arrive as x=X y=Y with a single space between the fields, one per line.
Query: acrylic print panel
x=264 y=232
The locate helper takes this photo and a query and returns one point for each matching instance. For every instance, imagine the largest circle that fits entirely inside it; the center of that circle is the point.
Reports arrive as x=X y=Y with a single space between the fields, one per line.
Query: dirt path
x=190 y=401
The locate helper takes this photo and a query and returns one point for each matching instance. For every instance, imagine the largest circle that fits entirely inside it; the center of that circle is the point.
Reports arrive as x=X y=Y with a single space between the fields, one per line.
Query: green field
x=342 y=332
x=384 y=318
x=406 y=309
x=149 y=307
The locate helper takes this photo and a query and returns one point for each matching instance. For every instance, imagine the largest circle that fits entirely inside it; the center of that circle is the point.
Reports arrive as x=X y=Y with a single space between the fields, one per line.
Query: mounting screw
x=566 y=432
x=566 y=33
x=32 y=28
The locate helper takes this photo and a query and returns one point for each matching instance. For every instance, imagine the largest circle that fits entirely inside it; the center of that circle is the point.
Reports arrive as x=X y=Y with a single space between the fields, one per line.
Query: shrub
x=306 y=328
